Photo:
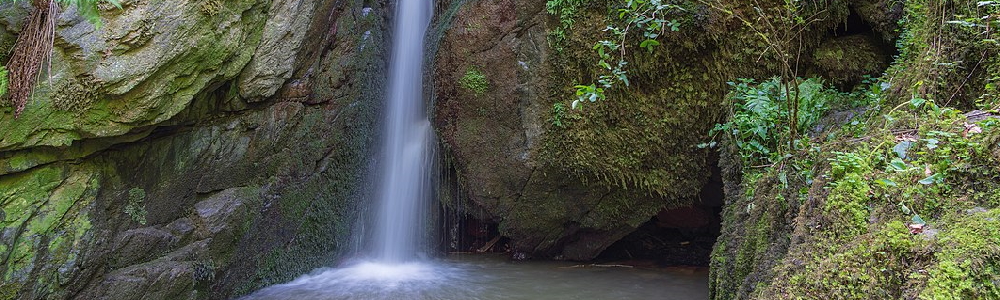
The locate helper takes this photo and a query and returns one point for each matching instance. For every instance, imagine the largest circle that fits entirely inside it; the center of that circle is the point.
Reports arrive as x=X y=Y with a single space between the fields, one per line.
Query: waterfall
x=402 y=190
x=404 y=187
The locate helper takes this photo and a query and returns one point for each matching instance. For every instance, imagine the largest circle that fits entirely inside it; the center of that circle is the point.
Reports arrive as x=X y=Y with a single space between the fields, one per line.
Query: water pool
x=491 y=277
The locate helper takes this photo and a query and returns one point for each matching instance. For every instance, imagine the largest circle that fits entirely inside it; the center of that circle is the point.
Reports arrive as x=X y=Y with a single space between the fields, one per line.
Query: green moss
x=869 y=268
x=4 y=81
x=9 y=290
x=968 y=260
x=76 y=107
x=853 y=228
x=847 y=204
x=51 y=224
x=643 y=136
x=474 y=81
x=941 y=59
x=846 y=61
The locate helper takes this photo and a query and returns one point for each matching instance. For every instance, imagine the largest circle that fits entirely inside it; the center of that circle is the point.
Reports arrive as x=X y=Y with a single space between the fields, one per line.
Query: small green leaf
x=936 y=178
x=898 y=165
x=649 y=44
x=932 y=144
x=886 y=183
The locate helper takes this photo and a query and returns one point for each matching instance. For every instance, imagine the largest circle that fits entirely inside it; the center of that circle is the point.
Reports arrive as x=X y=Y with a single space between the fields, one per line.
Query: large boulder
x=188 y=150
x=564 y=182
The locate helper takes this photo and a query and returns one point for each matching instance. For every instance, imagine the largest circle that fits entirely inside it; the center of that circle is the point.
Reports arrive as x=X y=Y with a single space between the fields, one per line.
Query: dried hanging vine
x=32 y=49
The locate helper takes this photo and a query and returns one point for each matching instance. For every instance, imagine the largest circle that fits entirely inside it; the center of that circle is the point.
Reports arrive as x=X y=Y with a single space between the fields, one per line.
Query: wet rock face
x=495 y=128
x=570 y=183
x=188 y=150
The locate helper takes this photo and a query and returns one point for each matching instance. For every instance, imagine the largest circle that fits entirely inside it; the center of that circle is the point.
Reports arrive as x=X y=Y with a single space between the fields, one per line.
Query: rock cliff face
x=568 y=183
x=495 y=136
x=188 y=149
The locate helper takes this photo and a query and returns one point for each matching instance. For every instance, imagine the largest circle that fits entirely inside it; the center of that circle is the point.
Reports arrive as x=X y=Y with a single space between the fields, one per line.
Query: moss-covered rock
x=894 y=204
x=848 y=60
x=554 y=176
x=945 y=56
x=202 y=156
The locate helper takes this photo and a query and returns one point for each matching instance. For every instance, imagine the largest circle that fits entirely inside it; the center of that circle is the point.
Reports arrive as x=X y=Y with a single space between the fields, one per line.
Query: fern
x=760 y=125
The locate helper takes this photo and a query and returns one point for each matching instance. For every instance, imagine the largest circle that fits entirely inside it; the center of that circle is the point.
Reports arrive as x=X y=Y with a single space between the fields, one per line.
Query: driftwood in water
x=489 y=245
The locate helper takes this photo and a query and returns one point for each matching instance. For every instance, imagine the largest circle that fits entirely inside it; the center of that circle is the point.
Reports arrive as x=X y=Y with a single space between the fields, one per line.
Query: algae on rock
x=189 y=150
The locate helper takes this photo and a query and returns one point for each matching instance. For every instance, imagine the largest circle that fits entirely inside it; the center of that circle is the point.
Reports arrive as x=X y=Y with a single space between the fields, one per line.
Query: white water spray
x=404 y=186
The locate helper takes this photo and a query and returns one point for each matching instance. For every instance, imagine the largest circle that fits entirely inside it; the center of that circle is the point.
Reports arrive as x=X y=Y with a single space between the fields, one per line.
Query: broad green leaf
x=901 y=148
x=886 y=182
x=649 y=44
x=932 y=144
x=935 y=178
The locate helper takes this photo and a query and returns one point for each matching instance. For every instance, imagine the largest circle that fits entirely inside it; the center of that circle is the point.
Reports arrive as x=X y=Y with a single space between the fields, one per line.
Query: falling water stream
x=396 y=267
x=405 y=187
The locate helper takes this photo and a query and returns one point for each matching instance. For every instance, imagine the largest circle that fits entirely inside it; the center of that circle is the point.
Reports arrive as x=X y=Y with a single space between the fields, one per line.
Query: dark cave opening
x=682 y=236
x=853 y=25
x=464 y=227
x=853 y=51
x=468 y=234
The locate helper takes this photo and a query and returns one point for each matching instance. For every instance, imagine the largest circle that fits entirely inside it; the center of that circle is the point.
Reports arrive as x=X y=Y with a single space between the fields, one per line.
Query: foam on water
x=488 y=278
x=392 y=273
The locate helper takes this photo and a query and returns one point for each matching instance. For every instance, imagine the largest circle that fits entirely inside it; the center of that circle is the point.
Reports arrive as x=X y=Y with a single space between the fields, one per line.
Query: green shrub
x=760 y=122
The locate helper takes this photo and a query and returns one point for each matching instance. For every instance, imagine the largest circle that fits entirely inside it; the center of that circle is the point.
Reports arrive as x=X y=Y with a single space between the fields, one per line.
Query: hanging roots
x=33 y=47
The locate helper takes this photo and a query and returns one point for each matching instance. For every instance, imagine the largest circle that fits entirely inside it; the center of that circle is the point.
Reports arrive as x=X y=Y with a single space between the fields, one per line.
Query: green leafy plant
x=984 y=22
x=134 y=207
x=760 y=124
x=558 y=115
x=847 y=163
x=565 y=11
x=781 y=30
x=474 y=81
x=647 y=16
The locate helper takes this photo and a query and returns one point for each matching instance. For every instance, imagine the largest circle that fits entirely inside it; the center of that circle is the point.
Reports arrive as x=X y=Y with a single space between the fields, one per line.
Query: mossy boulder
x=569 y=182
x=901 y=201
x=848 y=60
x=203 y=157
